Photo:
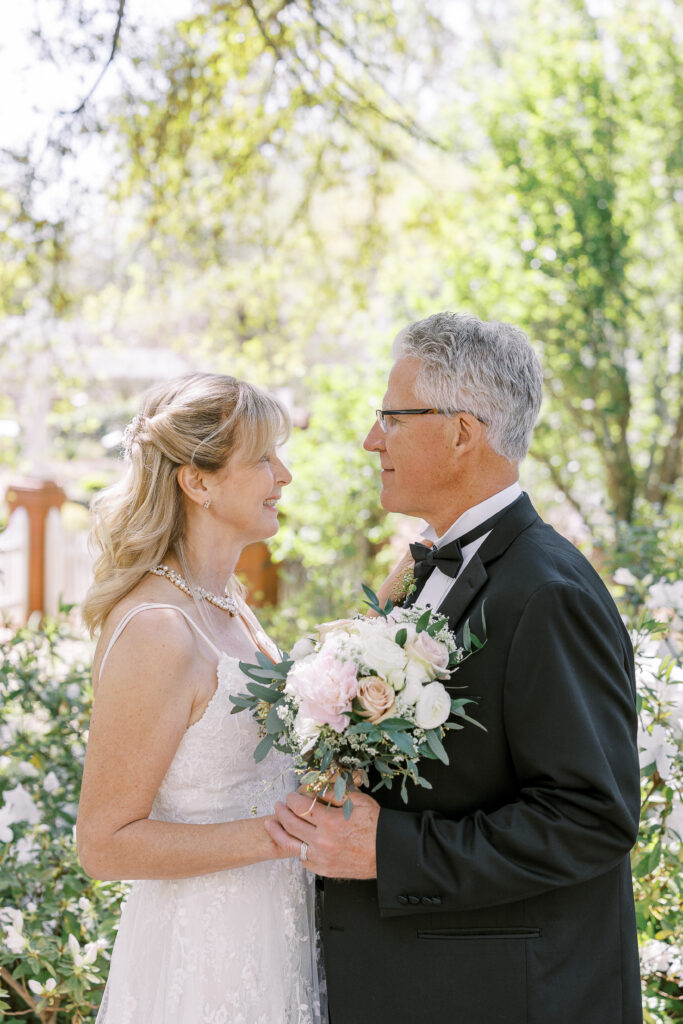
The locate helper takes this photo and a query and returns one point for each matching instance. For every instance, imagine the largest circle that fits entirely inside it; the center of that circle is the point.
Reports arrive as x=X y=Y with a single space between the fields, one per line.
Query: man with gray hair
x=503 y=893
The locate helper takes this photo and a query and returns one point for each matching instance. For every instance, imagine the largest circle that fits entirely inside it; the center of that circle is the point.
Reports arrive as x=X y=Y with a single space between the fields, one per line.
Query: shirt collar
x=472 y=517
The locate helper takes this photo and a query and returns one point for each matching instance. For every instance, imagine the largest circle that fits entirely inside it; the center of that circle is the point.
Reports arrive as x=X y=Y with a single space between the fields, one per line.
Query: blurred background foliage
x=272 y=188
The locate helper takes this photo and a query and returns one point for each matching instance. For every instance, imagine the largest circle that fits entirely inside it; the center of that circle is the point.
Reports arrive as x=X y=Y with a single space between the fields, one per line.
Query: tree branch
x=19 y=989
x=114 y=44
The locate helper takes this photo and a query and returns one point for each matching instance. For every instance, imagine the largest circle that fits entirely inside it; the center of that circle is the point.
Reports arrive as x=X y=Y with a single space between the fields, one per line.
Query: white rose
x=347 y=626
x=433 y=706
x=412 y=690
x=307 y=730
x=302 y=648
x=382 y=654
x=429 y=652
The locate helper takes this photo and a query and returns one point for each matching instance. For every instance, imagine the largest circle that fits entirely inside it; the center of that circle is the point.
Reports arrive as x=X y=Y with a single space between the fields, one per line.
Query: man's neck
x=445 y=520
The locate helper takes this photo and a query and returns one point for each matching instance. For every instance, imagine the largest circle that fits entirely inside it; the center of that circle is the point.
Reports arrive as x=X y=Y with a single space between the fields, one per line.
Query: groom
x=503 y=894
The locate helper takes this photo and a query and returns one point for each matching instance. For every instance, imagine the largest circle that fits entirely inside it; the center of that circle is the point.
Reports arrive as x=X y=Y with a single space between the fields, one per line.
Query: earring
x=207 y=503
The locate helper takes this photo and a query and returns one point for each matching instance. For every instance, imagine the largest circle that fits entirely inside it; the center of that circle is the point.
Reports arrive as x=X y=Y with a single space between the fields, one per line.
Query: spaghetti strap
x=141 y=608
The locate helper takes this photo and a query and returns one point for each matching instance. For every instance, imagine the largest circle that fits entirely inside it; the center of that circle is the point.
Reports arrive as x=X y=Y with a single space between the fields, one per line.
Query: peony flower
x=429 y=652
x=326 y=687
x=433 y=706
x=377 y=698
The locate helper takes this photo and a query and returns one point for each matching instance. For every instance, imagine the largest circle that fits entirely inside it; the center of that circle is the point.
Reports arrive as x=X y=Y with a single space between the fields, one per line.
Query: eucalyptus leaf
x=436 y=746
x=264 y=747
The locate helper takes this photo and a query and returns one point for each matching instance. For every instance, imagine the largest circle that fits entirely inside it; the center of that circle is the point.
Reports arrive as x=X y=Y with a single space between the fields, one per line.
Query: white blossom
x=50 y=782
x=39 y=989
x=655 y=748
x=666 y=595
x=624 y=578
x=18 y=806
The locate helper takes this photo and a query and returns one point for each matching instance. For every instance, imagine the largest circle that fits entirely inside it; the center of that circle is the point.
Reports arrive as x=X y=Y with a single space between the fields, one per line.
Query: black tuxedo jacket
x=504 y=893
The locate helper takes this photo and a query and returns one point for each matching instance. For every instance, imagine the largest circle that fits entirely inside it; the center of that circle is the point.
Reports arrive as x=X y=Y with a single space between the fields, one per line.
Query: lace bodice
x=213 y=776
x=232 y=947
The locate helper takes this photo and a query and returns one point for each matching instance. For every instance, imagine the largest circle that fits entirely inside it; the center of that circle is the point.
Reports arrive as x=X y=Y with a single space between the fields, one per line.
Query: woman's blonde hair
x=198 y=420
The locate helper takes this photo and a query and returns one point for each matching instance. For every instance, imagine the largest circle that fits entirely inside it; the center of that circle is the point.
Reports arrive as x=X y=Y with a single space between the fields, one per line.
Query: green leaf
x=264 y=692
x=263 y=749
x=403 y=741
x=401 y=637
x=467 y=636
x=423 y=782
x=259 y=674
x=273 y=722
x=436 y=746
x=395 y=723
x=347 y=807
x=423 y=621
x=339 y=788
x=264 y=661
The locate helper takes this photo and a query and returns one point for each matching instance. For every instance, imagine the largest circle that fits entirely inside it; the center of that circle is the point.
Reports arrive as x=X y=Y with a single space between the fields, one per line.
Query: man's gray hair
x=486 y=368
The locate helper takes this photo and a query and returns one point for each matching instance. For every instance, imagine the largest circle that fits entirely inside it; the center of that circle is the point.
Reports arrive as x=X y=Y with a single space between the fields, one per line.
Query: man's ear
x=465 y=432
x=191 y=483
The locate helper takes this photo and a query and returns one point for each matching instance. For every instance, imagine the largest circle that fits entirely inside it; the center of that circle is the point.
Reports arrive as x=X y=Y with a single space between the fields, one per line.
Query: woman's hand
x=396 y=586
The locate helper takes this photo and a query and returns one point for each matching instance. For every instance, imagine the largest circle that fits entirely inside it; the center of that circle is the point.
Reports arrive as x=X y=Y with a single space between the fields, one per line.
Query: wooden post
x=260 y=574
x=37 y=497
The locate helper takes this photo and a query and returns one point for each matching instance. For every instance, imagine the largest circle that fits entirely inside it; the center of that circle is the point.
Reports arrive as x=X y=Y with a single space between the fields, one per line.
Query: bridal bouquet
x=362 y=693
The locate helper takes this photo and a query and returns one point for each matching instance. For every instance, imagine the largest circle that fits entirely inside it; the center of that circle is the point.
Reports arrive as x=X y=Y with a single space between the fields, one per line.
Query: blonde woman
x=218 y=927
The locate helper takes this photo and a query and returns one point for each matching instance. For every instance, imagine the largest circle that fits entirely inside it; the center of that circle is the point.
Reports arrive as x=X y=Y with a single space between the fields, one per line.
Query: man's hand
x=337 y=848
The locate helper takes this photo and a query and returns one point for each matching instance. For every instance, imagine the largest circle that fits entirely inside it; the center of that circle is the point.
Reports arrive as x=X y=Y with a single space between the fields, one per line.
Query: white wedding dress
x=234 y=947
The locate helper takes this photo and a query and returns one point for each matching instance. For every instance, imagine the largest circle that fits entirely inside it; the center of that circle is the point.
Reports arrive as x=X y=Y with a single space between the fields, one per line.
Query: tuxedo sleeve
x=570 y=722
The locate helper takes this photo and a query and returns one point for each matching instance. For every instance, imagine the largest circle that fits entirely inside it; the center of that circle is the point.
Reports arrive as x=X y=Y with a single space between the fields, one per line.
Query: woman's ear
x=191 y=483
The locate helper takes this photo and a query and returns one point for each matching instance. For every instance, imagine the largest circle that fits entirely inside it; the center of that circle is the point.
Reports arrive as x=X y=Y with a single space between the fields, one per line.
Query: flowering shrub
x=56 y=924
x=657 y=617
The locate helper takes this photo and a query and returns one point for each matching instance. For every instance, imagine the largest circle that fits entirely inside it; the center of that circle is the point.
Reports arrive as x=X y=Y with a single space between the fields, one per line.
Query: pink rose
x=377 y=698
x=431 y=653
x=326 y=687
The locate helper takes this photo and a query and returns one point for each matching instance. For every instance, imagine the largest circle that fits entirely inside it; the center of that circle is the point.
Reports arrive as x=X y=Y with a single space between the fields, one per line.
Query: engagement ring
x=304 y=852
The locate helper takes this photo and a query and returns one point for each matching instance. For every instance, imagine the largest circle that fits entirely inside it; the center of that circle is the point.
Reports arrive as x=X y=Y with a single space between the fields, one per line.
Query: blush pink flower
x=326 y=687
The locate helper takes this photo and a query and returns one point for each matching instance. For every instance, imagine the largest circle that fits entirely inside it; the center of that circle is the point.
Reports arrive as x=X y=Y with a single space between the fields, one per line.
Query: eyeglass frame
x=381 y=414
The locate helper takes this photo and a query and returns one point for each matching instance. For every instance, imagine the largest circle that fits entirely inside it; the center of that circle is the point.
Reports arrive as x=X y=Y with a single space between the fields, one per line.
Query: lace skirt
x=236 y=947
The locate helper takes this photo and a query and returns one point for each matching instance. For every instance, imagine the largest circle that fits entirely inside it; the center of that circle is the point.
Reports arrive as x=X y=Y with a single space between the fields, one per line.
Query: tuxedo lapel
x=520 y=515
x=464 y=590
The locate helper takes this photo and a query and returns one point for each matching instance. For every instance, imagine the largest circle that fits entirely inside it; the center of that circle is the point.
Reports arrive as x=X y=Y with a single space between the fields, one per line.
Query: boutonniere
x=404 y=585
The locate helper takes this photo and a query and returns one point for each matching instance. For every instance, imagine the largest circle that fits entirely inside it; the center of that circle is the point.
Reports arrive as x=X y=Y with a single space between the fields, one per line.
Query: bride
x=218 y=928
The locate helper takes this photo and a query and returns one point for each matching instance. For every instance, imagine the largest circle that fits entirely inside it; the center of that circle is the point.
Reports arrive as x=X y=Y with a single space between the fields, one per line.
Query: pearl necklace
x=227 y=603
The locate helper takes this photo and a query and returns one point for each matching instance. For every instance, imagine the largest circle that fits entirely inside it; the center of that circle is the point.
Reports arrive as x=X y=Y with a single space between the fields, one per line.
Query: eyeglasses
x=382 y=414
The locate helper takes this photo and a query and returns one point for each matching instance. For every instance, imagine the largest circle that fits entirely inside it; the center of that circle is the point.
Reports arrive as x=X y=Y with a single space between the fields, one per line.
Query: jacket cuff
x=401 y=881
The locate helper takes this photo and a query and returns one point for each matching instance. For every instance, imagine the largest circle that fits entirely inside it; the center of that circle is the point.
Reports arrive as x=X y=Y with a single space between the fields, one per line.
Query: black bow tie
x=449 y=557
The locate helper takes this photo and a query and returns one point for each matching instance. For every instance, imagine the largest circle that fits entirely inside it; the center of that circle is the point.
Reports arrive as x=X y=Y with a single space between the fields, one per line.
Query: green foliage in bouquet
x=57 y=925
x=391 y=746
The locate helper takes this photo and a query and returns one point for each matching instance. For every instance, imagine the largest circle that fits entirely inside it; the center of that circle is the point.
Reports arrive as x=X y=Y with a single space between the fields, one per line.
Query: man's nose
x=374 y=442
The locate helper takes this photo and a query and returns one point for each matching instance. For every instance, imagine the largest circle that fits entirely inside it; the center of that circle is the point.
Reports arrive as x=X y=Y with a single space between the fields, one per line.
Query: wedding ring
x=304 y=852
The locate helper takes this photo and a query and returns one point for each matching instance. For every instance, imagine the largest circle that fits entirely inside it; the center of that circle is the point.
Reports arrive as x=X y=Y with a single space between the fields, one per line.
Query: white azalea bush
x=56 y=924
x=656 y=607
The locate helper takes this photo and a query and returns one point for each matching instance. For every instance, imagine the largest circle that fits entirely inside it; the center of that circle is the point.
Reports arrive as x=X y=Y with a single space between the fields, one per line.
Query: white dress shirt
x=438 y=584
